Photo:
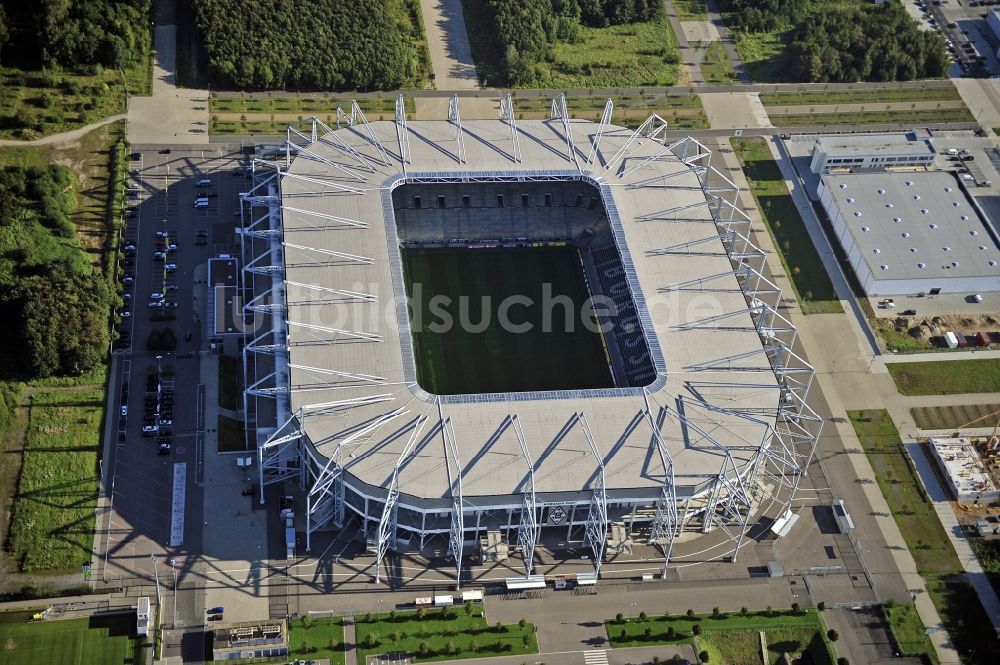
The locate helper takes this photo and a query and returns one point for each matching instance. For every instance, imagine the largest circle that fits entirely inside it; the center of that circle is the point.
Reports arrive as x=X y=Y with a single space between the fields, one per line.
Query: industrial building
x=968 y=478
x=842 y=153
x=905 y=233
x=706 y=426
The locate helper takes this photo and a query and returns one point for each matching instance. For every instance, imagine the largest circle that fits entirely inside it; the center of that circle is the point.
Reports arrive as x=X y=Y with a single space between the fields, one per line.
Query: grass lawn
x=633 y=54
x=947 y=377
x=498 y=359
x=988 y=553
x=928 y=94
x=691 y=10
x=310 y=105
x=964 y=618
x=763 y=53
x=897 y=479
x=618 y=55
x=229 y=383
x=461 y=636
x=742 y=647
x=314 y=639
x=635 y=628
x=254 y=127
x=953 y=417
x=715 y=66
x=909 y=632
x=99 y=640
x=680 y=111
x=37 y=103
x=871 y=117
x=798 y=255
x=53 y=524
x=231 y=436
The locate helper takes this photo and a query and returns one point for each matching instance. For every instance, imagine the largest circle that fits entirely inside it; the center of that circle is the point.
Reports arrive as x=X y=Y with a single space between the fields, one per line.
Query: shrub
x=833 y=635
x=796 y=608
x=619 y=618
x=424 y=650
x=744 y=611
x=623 y=636
x=696 y=629
x=451 y=647
x=526 y=640
x=769 y=611
x=843 y=661
x=820 y=606
x=704 y=657
x=642 y=616
x=522 y=622
x=690 y=614
x=307 y=621
x=716 y=614
x=393 y=615
x=422 y=613
x=474 y=645
x=647 y=632
x=499 y=627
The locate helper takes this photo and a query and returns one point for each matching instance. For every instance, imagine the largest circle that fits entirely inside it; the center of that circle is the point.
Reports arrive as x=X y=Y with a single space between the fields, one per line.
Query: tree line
x=53 y=306
x=74 y=34
x=527 y=29
x=320 y=44
x=845 y=42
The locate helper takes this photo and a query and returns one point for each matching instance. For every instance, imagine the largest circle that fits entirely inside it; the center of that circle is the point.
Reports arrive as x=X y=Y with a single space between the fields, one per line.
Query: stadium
x=677 y=407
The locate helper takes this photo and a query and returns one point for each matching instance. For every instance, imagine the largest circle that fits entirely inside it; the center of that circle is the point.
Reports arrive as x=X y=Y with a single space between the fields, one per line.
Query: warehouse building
x=833 y=153
x=910 y=233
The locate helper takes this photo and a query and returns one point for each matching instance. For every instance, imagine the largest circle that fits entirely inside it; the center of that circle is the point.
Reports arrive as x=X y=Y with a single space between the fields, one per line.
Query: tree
x=522 y=622
x=619 y=618
x=474 y=645
x=397 y=637
x=647 y=632
x=704 y=657
x=306 y=647
x=690 y=613
x=392 y=615
x=716 y=613
x=623 y=636
x=422 y=613
x=499 y=627
x=843 y=661
x=796 y=608
x=307 y=621
x=451 y=647
x=526 y=640
x=820 y=606
x=4 y=33
x=744 y=611
x=642 y=616
x=696 y=629
x=769 y=611
x=832 y=635
x=424 y=649
x=369 y=641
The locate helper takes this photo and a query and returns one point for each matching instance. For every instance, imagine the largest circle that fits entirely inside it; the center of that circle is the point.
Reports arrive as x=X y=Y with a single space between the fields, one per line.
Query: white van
x=204 y=182
x=201 y=203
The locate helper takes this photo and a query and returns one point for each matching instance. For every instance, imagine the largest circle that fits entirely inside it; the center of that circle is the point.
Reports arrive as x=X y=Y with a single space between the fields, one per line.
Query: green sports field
x=455 y=359
x=99 y=640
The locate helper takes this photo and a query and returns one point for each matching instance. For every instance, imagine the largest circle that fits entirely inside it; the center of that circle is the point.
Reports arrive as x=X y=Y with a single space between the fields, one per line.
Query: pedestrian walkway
x=448 y=43
x=66 y=137
x=172 y=114
x=595 y=657
x=689 y=56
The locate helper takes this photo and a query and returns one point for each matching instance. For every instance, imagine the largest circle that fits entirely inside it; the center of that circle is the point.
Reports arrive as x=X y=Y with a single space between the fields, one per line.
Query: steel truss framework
x=777 y=462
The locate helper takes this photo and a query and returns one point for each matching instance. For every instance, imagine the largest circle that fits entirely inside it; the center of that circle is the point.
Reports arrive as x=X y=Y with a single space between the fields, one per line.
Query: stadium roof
x=916 y=224
x=339 y=261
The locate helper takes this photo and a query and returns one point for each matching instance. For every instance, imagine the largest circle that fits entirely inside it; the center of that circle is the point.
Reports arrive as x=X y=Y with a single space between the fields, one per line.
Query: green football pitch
x=99 y=640
x=455 y=359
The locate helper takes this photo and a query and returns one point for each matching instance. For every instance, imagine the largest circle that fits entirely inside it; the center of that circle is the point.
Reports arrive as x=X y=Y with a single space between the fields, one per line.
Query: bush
x=696 y=629
x=744 y=611
x=796 y=608
x=522 y=622
x=690 y=614
x=843 y=661
x=642 y=616
x=619 y=618
x=820 y=606
x=307 y=621
x=704 y=657
x=832 y=635
x=647 y=633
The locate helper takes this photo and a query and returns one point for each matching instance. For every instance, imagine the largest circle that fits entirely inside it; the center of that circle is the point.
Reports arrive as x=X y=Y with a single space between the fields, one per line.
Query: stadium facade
x=705 y=427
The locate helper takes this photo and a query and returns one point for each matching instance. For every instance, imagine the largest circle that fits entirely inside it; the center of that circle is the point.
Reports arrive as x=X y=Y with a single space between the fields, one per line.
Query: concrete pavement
x=448 y=43
x=171 y=114
x=734 y=110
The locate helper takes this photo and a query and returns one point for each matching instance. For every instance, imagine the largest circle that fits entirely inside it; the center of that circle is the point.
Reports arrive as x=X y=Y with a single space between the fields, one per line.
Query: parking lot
x=969 y=39
x=157 y=387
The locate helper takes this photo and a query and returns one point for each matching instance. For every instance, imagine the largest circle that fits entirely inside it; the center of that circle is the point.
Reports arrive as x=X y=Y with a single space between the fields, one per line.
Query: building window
x=524 y=200
x=466 y=203
x=441 y=202
x=548 y=200
x=579 y=200
x=416 y=202
x=499 y=200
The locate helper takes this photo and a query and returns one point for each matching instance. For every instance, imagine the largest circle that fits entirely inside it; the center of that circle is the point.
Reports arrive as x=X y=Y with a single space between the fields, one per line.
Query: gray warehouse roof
x=889 y=144
x=914 y=225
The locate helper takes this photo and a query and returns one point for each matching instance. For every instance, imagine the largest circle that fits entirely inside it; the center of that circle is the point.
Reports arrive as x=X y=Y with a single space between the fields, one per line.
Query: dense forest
x=527 y=29
x=321 y=44
x=53 y=306
x=74 y=34
x=845 y=42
